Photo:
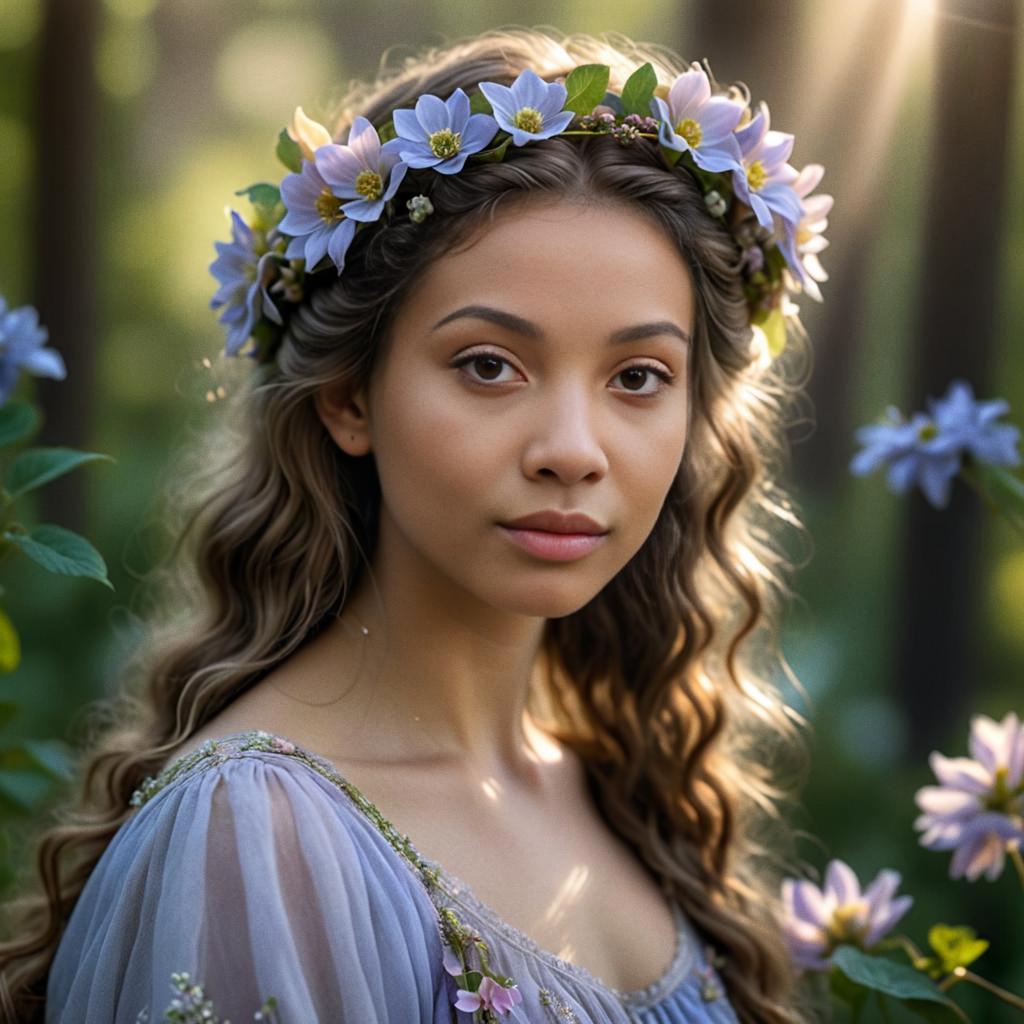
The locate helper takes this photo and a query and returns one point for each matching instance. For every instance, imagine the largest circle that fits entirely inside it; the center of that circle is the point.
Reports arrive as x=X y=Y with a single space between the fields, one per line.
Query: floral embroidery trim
x=194 y=1008
x=482 y=990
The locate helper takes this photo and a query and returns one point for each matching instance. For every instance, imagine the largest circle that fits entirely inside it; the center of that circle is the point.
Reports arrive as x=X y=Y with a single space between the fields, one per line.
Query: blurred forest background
x=125 y=127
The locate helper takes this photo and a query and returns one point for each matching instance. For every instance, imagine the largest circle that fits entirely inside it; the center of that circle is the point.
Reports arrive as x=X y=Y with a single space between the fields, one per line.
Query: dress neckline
x=686 y=939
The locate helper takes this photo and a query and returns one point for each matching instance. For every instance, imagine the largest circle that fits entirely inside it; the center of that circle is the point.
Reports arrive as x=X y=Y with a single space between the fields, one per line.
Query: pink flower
x=490 y=996
x=284 y=746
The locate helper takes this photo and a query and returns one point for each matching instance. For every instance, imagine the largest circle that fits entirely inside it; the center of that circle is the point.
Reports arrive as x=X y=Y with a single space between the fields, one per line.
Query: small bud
x=420 y=207
x=715 y=203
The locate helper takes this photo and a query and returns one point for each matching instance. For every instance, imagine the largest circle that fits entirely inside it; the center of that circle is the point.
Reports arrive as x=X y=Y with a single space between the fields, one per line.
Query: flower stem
x=962 y=974
x=1018 y=861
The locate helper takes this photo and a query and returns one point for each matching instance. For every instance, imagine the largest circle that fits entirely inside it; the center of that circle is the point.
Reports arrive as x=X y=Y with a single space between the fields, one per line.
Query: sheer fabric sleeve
x=258 y=878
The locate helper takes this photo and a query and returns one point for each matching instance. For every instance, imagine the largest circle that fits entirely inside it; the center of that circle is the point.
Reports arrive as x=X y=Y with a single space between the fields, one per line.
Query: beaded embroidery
x=483 y=989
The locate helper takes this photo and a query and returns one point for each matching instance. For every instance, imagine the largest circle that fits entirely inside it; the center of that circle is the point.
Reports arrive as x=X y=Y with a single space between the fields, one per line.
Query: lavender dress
x=257 y=868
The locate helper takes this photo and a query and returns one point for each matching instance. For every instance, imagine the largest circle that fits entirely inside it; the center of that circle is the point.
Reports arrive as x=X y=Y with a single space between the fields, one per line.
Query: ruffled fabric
x=254 y=866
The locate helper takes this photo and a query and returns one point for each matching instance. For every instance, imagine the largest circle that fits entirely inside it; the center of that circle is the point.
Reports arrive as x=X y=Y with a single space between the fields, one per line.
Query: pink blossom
x=490 y=996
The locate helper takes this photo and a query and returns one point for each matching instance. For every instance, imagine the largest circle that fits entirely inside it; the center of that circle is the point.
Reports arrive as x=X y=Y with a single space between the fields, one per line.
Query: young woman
x=447 y=713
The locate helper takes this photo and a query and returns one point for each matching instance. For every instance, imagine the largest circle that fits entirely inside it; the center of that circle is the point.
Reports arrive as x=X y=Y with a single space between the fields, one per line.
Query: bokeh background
x=126 y=126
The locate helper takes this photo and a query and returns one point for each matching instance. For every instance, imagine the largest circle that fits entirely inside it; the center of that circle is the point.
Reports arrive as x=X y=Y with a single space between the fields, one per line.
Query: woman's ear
x=345 y=415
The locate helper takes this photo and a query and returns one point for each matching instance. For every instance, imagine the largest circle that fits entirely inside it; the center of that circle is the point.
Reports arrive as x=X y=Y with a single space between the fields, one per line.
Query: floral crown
x=301 y=230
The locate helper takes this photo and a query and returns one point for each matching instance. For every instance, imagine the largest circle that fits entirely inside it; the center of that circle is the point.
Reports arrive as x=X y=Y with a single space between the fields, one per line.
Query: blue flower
x=914 y=453
x=765 y=181
x=531 y=109
x=441 y=134
x=314 y=219
x=361 y=171
x=928 y=449
x=21 y=348
x=243 y=273
x=695 y=122
x=970 y=423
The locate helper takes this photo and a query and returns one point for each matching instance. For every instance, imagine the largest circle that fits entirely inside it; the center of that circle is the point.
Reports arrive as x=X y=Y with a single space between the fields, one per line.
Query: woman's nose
x=565 y=436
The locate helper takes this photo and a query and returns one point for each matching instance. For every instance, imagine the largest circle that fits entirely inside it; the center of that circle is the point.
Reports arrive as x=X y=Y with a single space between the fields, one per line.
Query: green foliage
x=480 y=104
x=37 y=466
x=387 y=132
x=585 y=87
x=876 y=974
x=638 y=91
x=954 y=945
x=61 y=551
x=18 y=420
x=289 y=152
x=495 y=153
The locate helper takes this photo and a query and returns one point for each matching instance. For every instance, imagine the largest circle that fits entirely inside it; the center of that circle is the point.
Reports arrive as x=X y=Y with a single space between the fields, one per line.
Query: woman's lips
x=555 y=547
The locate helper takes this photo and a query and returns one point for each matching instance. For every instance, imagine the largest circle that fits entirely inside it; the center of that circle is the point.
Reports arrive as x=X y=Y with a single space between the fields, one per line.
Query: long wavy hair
x=664 y=683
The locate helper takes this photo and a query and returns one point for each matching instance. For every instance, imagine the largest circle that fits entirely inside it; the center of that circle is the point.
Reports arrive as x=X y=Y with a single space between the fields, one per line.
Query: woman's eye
x=490 y=364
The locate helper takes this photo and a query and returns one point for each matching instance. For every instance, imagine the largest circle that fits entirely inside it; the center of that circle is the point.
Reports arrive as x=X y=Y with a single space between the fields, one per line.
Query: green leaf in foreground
x=17 y=421
x=61 y=551
x=585 y=87
x=895 y=979
x=639 y=90
x=289 y=152
x=37 y=466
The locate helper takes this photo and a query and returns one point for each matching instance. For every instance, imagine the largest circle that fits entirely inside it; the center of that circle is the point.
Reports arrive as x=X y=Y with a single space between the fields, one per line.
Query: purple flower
x=21 y=348
x=970 y=423
x=441 y=134
x=244 y=271
x=531 y=109
x=695 y=122
x=802 y=242
x=928 y=449
x=764 y=181
x=978 y=807
x=914 y=453
x=491 y=995
x=361 y=171
x=819 y=920
x=314 y=219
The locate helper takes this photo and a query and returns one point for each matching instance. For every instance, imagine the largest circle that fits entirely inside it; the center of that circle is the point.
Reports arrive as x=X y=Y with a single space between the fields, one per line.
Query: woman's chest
x=558 y=876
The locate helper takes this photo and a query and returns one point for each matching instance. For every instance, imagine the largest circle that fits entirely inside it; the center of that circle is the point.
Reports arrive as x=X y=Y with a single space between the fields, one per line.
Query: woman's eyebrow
x=527 y=329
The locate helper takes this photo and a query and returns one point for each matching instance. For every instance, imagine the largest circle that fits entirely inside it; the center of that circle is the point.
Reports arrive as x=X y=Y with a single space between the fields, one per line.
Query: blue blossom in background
x=243 y=275
x=21 y=348
x=928 y=448
x=977 y=809
x=818 y=920
x=441 y=134
x=695 y=122
x=530 y=109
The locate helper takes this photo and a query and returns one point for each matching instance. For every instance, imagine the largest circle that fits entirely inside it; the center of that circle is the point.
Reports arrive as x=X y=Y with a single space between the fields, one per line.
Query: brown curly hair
x=662 y=683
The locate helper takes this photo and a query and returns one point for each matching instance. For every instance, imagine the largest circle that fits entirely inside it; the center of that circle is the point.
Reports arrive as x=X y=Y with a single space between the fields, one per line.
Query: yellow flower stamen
x=756 y=176
x=528 y=119
x=691 y=131
x=369 y=184
x=328 y=207
x=445 y=143
x=927 y=432
x=844 y=926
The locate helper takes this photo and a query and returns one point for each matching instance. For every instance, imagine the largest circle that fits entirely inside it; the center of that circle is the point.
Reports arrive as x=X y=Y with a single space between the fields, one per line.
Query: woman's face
x=524 y=373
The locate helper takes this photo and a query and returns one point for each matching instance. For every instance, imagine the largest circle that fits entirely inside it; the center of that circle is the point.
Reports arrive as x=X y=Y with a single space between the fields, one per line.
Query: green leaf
x=773 y=323
x=848 y=992
x=495 y=154
x=1001 y=489
x=8 y=712
x=957 y=946
x=10 y=645
x=670 y=156
x=262 y=194
x=61 y=551
x=17 y=421
x=585 y=87
x=51 y=756
x=289 y=152
x=889 y=977
x=480 y=104
x=639 y=90
x=25 y=789
x=387 y=132
x=37 y=466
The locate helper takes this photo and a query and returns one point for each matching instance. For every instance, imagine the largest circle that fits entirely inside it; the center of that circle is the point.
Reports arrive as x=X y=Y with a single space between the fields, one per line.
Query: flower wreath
x=302 y=230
